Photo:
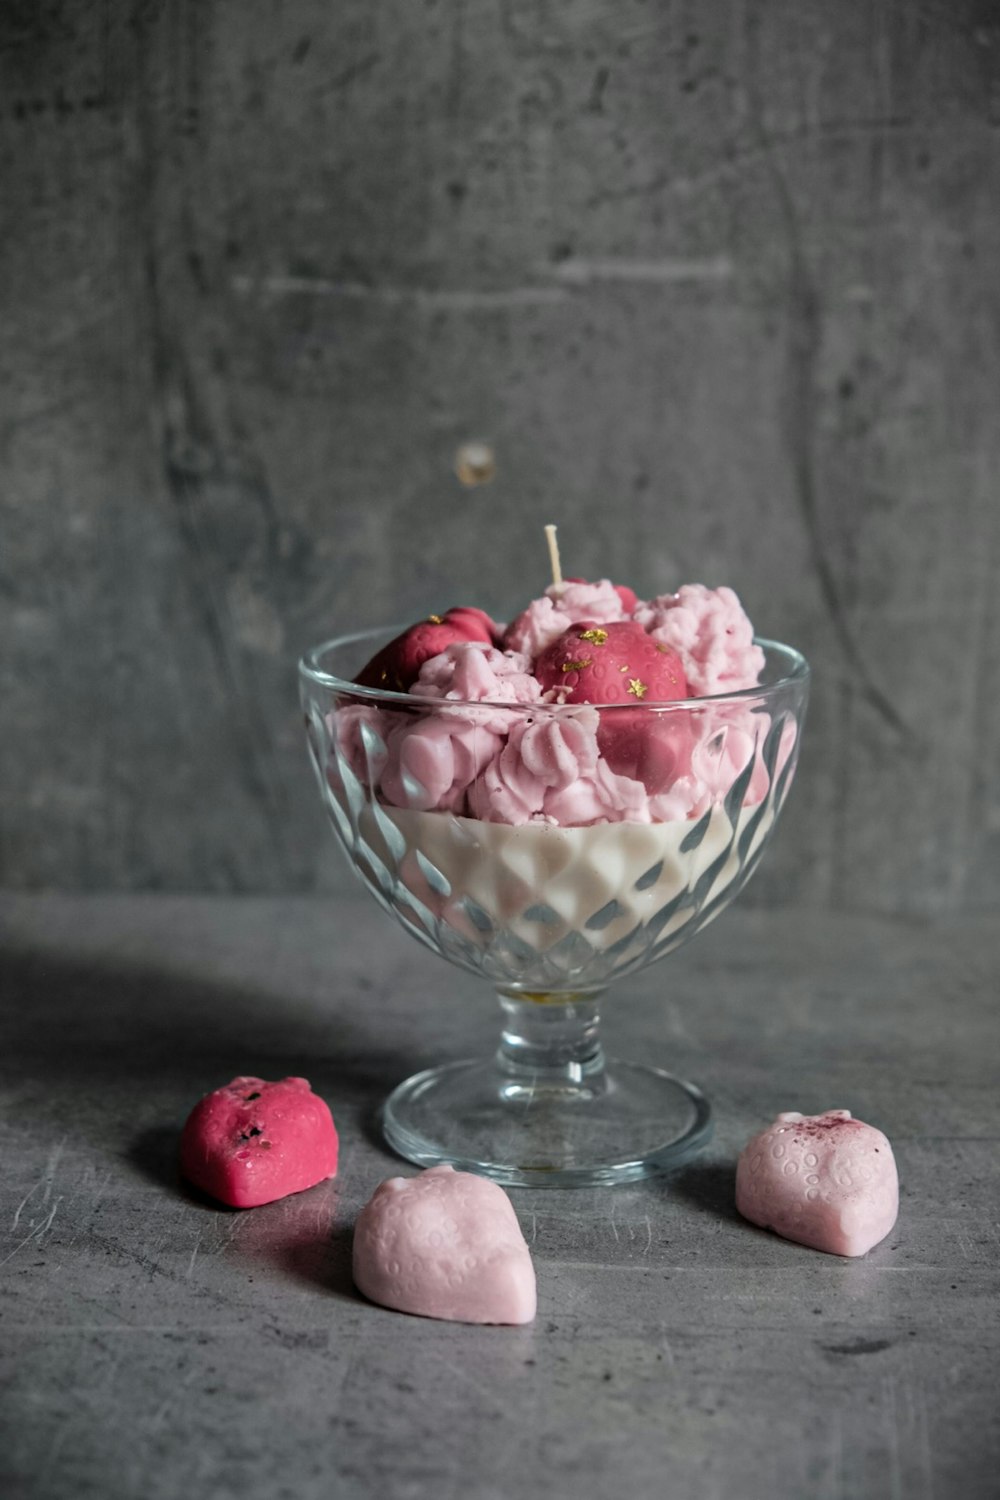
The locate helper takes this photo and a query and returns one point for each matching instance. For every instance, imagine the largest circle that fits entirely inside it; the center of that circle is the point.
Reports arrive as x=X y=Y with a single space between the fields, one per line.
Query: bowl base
x=629 y=1122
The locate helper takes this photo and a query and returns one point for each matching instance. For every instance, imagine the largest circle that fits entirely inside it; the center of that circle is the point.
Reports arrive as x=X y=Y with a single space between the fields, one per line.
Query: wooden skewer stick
x=550 y=537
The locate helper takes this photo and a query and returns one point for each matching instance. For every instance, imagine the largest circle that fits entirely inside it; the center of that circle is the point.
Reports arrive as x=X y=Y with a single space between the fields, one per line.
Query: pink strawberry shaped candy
x=397 y=665
x=444 y=1244
x=827 y=1181
x=252 y=1141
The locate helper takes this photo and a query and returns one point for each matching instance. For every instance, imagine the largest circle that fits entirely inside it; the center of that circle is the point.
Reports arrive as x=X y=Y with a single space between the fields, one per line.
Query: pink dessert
x=601 y=767
x=253 y=1141
x=445 y=1245
x=827 y=1181
x=589 y=647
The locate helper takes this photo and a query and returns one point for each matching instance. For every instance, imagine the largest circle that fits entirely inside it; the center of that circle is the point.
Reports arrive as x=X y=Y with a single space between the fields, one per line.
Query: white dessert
x=540 y=883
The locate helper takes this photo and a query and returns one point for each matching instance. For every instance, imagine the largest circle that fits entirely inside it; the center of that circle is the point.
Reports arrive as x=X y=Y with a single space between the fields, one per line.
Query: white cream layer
x=541 y=882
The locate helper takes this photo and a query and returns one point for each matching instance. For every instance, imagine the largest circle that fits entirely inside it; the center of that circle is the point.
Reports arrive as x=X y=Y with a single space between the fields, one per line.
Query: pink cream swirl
x=710 y=630
x=543 y=755
x=469 y=672
x=434 y=758
x=486 y=746
x=561 y=606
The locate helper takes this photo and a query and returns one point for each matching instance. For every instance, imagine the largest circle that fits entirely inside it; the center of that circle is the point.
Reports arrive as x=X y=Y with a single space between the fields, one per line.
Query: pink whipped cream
x=495 y=747
x=710 y=631
x=546 y=619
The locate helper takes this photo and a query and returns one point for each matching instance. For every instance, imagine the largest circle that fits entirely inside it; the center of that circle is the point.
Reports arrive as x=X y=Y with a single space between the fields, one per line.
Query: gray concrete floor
x=152 y=1345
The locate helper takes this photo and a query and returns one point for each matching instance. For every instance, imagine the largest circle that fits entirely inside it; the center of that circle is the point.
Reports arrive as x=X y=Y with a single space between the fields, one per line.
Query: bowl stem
x=543 y=1111
x=550 y=1045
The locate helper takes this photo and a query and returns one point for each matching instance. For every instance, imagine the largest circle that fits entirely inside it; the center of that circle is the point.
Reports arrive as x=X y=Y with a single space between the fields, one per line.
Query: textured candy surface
x=445 y=1245
x=616 y=662
x=827 y=1181
x=253 y=1141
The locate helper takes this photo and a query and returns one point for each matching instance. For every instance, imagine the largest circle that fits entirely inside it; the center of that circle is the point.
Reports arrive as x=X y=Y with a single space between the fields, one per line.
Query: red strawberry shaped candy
x=252 y=1141
x=620 y=663
x=612 y=663
x=397 y=665
x=652 y=748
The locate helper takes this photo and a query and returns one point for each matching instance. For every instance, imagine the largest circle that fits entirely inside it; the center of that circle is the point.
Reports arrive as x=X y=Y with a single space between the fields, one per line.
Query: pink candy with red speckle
x=827 y=1181
x=253 y=1141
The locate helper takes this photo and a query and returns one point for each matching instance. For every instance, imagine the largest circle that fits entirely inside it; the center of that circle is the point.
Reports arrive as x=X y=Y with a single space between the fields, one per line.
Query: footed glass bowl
x=548 y=914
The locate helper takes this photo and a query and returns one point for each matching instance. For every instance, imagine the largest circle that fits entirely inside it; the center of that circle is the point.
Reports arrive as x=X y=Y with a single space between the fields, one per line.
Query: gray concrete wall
x=719 y=281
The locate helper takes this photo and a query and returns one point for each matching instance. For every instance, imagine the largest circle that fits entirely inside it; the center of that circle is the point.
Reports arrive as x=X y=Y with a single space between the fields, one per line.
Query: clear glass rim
x=796 y=671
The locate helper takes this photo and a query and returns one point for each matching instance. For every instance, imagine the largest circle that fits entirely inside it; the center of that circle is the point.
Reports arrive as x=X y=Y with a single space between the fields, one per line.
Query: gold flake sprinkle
x=577 y=666
x=435 y=620
x=662 y=648
x=624 y=669
x=637 y=687
x=597 y=636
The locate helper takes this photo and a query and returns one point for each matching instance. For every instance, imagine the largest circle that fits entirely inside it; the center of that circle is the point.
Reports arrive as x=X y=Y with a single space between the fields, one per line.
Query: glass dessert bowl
x=550 y=907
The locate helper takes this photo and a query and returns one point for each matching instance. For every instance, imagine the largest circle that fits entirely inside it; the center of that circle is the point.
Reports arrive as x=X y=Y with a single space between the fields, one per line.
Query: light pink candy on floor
x=827 y=1181
x=445 y=1244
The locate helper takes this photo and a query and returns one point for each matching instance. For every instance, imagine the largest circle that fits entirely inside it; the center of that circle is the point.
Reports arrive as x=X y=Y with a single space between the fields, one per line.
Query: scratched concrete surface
x=719 y=283
x=152 y=1345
